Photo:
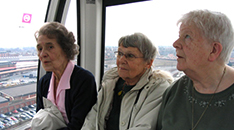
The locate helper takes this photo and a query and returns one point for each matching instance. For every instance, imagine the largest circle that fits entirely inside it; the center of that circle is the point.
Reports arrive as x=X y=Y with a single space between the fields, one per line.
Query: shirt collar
x=64 y=82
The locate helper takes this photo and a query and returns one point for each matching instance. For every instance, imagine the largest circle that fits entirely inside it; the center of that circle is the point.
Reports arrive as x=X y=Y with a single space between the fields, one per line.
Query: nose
x=43 y=54
x=122 y=58
x=177 y=44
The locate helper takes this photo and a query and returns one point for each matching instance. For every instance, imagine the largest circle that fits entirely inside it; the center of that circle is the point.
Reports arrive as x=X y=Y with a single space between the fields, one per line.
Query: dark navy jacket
x=79 y=99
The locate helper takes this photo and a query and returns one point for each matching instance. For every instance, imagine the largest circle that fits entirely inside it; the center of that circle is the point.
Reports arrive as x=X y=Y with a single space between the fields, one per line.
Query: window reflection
x=71 y=21
x=18 y=59
x=156 y=19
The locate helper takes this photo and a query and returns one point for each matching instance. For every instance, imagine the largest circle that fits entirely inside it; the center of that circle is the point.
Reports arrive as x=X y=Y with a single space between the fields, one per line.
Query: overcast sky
x=157 y=18
x=14 y=32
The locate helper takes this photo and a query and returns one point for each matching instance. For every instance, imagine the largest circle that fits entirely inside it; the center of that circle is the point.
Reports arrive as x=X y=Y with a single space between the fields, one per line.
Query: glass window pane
x=71 y=21
x=157 y=19
x=18 y=57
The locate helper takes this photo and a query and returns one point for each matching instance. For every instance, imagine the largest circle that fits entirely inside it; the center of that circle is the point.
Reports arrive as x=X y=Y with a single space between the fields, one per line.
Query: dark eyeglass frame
x=128 y=56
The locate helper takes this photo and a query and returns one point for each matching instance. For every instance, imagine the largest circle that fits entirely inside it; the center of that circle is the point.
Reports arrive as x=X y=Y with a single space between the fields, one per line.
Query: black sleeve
x=42 y=90
x=80 y=98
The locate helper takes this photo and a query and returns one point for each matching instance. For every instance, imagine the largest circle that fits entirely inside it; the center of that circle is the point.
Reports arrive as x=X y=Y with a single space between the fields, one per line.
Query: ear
x=215 y=52
x=149 y=64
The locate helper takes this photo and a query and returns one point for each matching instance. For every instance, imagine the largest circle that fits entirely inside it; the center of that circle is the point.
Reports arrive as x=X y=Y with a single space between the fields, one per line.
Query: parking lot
x=17 y=117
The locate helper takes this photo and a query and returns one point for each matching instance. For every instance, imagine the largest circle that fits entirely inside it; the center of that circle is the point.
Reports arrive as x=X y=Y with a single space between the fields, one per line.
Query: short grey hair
x=141 y=42
x=215 y=26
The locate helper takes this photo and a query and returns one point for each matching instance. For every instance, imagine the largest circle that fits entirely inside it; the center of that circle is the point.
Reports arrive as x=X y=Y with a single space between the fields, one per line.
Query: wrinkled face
x=50 y=54
x=131 y=69
x=192 y=49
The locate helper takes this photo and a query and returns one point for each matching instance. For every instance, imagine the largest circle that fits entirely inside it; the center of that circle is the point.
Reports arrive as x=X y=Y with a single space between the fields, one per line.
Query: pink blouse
x=64 y=84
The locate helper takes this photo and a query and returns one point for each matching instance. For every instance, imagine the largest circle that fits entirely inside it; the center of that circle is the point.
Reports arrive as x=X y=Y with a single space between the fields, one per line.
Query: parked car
x=29 y=114
x=14 y=119
x=8 y=119
x=33 y=112
x=24 y=117
x=11 y=122
x=31 y=106
x=18 y=117
x=15 y=112
x=8 y=113
x=2 y=125
x=3 y=116
x=25 y=108
x=20 y=110
x=6 y=123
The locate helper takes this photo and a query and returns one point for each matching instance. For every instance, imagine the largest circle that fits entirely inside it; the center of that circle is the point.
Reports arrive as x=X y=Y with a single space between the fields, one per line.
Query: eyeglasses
x=128 y=56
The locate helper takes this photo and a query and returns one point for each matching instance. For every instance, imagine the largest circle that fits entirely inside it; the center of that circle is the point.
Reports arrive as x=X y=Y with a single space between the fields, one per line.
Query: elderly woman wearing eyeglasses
x=131 y=93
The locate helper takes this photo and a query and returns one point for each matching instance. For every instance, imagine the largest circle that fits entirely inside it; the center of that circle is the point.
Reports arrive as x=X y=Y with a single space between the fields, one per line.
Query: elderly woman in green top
x=203 y=99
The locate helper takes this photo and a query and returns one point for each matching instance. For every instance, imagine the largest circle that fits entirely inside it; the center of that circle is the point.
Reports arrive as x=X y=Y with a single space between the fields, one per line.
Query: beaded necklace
x=194 y=126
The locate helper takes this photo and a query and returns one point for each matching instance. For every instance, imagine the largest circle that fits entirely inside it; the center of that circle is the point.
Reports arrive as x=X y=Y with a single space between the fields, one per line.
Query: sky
x=14 y=32
x=156 y=19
